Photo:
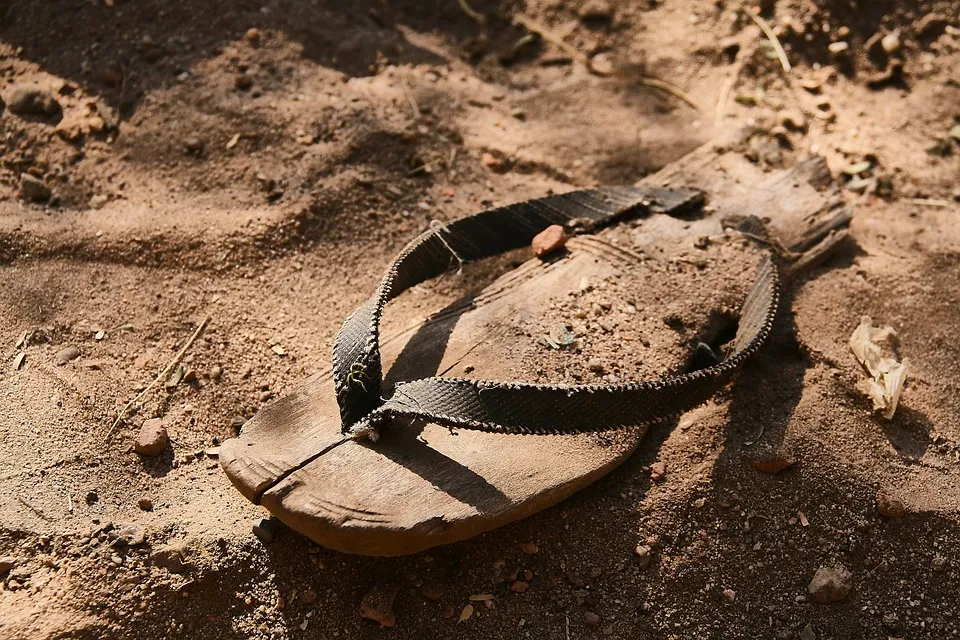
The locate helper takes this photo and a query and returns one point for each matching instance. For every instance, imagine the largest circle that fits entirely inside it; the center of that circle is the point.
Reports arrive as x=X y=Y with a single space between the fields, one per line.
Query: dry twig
x=161 y=376
x=37 y=511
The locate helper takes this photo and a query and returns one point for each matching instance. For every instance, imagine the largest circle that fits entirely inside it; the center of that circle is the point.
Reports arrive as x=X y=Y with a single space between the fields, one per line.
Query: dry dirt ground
x=259 y=162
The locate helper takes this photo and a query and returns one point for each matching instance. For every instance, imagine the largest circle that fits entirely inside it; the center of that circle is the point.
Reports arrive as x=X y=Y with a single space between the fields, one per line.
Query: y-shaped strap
x=526 y=408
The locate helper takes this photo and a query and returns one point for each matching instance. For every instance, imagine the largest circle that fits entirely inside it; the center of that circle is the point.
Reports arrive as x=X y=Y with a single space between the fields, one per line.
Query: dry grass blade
x=772 y=37
x=666 y=87
x=475 y=15
x=161 y=376
x=410 y=99
x=728 y=86
x=553 y=38
x=927 y=202
x=37 y=511
x=532 y=25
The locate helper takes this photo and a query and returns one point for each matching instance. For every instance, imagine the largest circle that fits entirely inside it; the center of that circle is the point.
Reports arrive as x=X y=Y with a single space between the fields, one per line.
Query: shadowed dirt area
x=259 y=164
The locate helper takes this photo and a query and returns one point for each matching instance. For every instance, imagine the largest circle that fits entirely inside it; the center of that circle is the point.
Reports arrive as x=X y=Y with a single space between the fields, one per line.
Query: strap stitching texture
x=505 y=406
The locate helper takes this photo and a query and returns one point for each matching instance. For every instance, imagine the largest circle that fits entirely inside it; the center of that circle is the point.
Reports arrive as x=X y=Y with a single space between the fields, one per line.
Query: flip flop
x=385 y=468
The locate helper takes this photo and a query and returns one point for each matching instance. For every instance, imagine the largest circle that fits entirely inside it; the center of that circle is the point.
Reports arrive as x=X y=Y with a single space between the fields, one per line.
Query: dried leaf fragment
x=888 y=375
x=175 y=377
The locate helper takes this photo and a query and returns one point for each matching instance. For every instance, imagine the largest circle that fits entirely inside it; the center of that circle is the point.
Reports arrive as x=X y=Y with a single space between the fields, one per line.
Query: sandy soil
x=260 y=162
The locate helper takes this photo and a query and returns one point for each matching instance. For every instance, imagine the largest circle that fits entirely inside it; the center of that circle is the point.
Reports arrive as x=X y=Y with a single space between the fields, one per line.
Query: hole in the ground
x=711 y=345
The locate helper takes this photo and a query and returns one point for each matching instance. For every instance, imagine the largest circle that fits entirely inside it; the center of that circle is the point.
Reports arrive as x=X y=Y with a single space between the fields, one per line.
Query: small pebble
x=193 y=145
x=377 y=605
x=891 y=42
x=169 y=558
x=838 y=48
x=491 y=161
x=602 y=64
x=658 y=471
x=265 y=529
x=252 y=35
x=644 y=555
x=549 y=240
x=26 y=99
x=34 y=189
x=128 y=536
x=830 y=584
x=519 y=586
x=145 y=504
x=596 y=10
x=890 y=506
x=772 y=465
x=729 y=595
x=99 y=200
x=152 y=438
x=7 y=563
x=591 y=619
x=432 y=592
x=67 y=354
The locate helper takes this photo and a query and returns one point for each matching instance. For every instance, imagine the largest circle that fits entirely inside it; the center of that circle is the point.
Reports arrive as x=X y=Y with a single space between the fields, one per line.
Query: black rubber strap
x=526 y=408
